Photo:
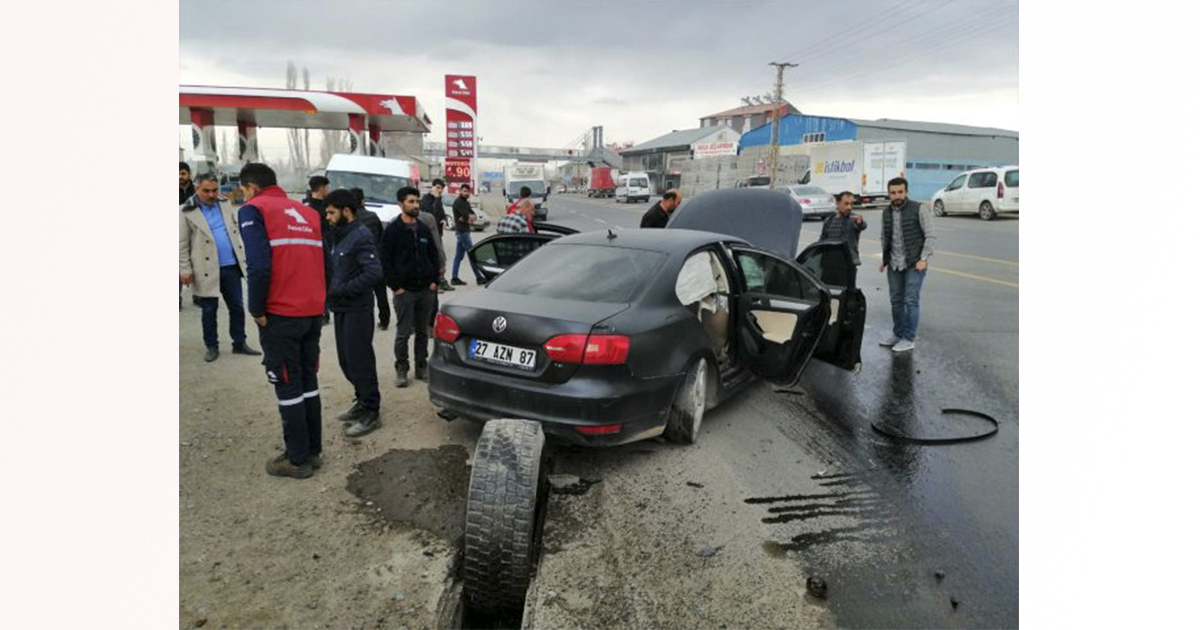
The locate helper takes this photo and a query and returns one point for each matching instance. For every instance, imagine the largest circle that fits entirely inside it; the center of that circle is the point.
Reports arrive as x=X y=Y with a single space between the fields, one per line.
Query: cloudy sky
x=549 y=70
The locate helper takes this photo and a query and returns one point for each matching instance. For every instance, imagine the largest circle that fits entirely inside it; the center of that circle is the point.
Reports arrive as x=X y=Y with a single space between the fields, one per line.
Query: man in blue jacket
x=410 y=268
x=355 y=272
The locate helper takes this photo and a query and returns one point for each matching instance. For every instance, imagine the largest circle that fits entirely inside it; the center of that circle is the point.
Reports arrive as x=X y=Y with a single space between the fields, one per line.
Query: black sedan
x=612 y=337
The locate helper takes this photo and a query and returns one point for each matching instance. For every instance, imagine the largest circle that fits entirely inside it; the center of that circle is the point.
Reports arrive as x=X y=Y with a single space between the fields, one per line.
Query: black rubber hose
x=934 y=441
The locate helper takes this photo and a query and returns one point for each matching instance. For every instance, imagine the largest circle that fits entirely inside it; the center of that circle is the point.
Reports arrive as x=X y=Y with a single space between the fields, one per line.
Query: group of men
x=304 y=261
x=907 y=243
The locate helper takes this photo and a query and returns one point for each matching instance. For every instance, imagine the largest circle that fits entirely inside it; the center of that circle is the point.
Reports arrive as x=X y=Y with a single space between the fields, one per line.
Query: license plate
x=501 y=354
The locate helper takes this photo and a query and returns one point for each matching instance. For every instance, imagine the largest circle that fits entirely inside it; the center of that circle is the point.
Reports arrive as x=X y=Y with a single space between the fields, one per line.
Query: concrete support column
x=358 y=135
x=247 y=141
x=204 y=139
x=375 y=140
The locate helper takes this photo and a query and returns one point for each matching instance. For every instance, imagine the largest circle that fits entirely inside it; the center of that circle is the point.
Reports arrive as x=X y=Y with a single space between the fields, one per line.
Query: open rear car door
x=832 y=263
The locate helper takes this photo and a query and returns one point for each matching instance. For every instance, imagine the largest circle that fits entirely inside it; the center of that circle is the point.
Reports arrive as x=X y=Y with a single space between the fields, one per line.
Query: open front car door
x=832 y=263
x=781 y=312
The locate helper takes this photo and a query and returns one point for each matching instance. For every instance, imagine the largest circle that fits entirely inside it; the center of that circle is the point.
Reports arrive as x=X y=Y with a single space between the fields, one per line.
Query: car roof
x=668 y=241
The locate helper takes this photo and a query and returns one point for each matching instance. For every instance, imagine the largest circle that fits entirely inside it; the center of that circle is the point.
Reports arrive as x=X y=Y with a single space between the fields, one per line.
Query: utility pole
x=773 y=156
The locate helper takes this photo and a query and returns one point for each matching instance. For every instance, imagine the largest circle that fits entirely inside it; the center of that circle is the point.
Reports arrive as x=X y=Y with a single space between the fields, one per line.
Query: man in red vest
x=285 y=276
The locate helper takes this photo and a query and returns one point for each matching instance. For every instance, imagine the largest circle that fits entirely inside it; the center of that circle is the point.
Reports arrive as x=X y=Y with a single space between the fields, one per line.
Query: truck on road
x=860 y=167
x=533 y=176
x=602 y=182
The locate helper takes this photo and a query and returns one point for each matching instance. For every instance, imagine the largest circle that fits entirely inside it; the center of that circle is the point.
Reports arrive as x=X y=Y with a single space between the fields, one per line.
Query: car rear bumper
x=638 y=405
x=1008 y=206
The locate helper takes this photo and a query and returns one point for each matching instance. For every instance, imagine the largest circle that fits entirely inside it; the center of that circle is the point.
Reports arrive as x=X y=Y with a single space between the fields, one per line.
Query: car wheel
x=986 y=211
x=939 y=209
x=687 y=411
x=507 y=483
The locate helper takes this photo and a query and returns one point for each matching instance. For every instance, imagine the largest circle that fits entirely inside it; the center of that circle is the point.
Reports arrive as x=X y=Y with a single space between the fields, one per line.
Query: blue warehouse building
x=936 y=152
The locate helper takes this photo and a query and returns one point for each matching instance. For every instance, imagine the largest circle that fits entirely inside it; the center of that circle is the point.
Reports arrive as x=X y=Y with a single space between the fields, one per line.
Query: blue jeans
x=905 y=289
x=231 y=290
x=462 y=241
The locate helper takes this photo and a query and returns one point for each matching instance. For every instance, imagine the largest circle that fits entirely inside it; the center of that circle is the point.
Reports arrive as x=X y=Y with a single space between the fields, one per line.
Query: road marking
x=974 y=257
x=964 y=275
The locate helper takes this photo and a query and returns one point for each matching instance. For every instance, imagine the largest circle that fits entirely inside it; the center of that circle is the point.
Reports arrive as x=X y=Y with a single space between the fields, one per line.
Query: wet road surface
x=904 y=535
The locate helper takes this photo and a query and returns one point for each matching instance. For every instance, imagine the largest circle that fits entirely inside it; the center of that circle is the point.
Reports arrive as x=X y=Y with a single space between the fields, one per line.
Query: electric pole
x=773 y=156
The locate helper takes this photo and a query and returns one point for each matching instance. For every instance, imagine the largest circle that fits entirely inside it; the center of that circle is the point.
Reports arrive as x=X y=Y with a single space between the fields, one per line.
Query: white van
x=986 y=192
x=378 y=177
x=633 y=187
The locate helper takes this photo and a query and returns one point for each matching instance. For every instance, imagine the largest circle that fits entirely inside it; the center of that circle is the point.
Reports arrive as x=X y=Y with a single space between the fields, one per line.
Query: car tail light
x=591 y=350
x=445 y=328
x=806 y=201
x=604 y=429
x=1000 y=191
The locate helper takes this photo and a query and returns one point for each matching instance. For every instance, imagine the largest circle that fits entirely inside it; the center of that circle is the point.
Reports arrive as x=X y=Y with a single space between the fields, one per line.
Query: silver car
x=814 y=200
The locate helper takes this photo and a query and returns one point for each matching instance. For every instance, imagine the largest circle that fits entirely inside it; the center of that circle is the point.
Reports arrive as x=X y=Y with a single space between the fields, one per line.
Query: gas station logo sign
x=460 y=131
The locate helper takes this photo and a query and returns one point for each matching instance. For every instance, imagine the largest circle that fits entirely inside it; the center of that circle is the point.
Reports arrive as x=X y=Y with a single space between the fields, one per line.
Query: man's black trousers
x=354 y=331
x=291 y=355
x=381 y=301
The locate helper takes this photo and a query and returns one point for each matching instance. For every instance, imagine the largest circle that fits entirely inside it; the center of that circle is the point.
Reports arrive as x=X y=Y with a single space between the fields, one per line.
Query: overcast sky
x=549 y=70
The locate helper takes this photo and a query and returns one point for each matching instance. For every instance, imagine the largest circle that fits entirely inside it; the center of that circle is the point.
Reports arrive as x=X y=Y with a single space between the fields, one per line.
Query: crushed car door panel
x=833 y=264
x=781 y=312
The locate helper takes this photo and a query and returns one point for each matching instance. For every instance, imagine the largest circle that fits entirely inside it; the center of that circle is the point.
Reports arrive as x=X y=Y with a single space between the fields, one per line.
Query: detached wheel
x=687 y=411
x=502 y=515
x=939 y=209
x=986 y=211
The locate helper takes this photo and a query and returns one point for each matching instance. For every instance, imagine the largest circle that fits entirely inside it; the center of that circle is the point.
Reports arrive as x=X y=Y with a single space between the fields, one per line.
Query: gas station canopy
x=265 y=107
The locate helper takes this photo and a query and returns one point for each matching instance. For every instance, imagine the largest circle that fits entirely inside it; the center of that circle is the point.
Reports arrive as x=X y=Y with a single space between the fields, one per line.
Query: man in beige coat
x=211 y=261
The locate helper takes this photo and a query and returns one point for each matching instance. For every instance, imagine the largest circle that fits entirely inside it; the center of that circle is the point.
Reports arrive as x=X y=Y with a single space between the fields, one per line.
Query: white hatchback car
x=985 y=191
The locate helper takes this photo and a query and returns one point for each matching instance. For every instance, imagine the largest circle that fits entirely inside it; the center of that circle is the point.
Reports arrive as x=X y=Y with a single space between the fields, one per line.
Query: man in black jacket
x=464 y=216
x=356 y=271
x=371 y=220
x=658 y=214
x=410 y=266
x=318 y=189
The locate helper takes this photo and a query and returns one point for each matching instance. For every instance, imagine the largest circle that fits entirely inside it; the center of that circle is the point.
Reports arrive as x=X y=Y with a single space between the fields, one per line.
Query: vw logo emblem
x=499 y=324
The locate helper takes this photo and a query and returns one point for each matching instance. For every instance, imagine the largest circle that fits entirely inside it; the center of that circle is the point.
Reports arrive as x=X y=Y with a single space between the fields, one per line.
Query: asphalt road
x=904 y=535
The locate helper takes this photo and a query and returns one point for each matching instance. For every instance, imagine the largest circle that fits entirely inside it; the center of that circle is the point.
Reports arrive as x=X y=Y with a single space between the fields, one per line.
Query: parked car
x=755 y=181
x=815 y=201
x=482 y=220
x=679 y=320
x=984 y=191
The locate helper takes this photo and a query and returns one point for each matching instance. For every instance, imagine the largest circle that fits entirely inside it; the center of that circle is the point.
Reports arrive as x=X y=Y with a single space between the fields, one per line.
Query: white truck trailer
x=861 y=167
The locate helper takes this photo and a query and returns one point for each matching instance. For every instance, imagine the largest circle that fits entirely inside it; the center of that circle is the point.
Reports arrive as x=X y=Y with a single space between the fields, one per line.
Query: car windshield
x=758 y=181
x=569 y=272
x=808 y=190
x=640 y=182
x=535 y=187
x=377 y=188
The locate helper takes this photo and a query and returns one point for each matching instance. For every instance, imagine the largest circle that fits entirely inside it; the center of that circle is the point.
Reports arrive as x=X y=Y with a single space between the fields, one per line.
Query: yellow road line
x=941 y=252
x=964 y=275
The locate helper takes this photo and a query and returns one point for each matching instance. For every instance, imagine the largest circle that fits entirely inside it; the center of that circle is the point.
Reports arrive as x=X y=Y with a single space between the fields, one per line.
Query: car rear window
x=809 y=190
x=589 y=273
x=1012 y=179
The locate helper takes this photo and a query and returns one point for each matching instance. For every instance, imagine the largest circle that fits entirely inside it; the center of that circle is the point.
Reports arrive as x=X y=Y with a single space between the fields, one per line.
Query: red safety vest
x=297 y=255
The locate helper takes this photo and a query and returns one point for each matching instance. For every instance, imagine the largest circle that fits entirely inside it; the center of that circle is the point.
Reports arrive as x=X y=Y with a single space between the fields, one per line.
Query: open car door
x=495 y=254
x=781 y=312
x=832 y=263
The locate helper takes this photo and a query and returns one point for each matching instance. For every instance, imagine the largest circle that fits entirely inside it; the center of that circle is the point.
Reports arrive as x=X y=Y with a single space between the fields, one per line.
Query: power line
x=899 y=7
x=952 y=30
x=901 y=60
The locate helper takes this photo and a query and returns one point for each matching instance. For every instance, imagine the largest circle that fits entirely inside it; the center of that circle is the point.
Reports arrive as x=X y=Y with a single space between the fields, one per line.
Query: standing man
x=186 y=189
x=844 y=226
x=410 y=267
x=463 y=218
x=285 y=269
x=431 y=204
x=907 y=241
x=211 y=258
x=372 y=222
x=658 y=214
x=318 y=189
x=356 y=271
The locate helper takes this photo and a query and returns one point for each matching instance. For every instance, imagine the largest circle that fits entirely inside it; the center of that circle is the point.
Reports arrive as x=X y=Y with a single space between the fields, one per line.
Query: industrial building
x=936 y=152
x=663 y=157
